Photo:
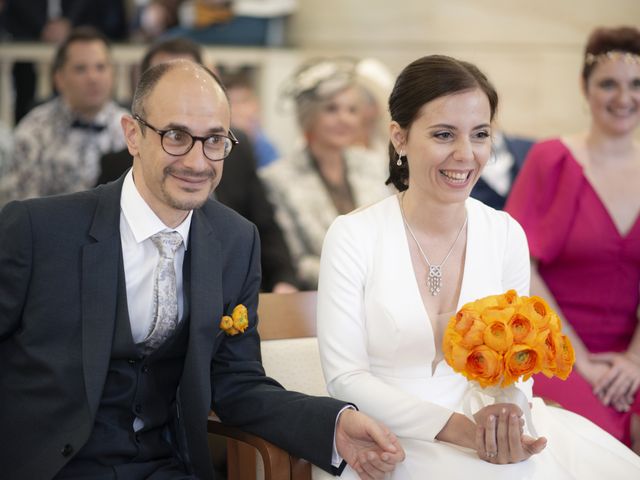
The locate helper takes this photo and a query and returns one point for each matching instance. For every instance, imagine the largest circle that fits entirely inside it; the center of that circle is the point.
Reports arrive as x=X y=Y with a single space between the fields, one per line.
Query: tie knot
x=167 y=243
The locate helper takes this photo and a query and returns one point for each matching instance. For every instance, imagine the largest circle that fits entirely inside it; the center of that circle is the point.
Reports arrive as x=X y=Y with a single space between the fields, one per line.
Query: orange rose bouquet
x=498 y=340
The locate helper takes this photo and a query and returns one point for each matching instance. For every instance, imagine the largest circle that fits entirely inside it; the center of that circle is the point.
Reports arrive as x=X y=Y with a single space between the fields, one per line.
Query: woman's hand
x=619 y=385
x=592 y=371
x=500 y=438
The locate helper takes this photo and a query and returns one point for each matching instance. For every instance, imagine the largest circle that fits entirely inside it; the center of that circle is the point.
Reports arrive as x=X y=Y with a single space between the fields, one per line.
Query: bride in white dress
x=381 y=315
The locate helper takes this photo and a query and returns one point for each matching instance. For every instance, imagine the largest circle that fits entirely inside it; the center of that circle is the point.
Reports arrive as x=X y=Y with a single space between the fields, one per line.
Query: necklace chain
x=434 y=279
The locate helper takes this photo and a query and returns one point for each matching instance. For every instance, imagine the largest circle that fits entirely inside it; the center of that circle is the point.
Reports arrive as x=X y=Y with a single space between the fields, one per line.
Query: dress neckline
x=413 y=281
x=598 y=198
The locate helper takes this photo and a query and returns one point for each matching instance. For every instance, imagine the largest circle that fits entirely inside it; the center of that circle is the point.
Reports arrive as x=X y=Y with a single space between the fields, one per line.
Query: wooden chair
x=287 y=326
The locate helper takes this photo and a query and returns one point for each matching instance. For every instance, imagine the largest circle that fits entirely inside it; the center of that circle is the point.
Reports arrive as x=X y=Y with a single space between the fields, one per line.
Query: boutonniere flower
x=237 y=322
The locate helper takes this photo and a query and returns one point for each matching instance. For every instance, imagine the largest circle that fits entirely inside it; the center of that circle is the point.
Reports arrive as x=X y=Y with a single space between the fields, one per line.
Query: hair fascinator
x=319 y=78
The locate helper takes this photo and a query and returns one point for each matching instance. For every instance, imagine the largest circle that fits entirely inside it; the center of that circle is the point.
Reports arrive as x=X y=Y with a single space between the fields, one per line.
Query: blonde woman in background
x=326 y=177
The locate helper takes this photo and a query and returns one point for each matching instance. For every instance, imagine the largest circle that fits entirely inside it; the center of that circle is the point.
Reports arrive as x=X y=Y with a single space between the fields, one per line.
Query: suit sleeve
x=342 y=337
x=15 y=266
x=244 y=396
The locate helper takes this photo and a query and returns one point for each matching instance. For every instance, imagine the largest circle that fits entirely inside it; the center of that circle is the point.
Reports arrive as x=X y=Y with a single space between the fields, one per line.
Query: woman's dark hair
x=604 y=40
x=421 y=82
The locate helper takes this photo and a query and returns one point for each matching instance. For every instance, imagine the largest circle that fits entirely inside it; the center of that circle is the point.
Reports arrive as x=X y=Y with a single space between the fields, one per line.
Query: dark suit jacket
x=240 y=189
x=518 y=147
x=59 y=270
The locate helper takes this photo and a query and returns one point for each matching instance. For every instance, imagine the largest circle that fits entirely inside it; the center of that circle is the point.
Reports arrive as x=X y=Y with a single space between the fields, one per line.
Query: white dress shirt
x=137 y=224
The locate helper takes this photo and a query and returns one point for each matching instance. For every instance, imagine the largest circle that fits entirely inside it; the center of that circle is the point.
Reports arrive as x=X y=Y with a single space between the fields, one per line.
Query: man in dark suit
x=239 y=189
x=111 y=348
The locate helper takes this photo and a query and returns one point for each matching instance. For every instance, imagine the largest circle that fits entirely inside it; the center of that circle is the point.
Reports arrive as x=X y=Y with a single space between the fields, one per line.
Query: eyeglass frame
x=194 y=138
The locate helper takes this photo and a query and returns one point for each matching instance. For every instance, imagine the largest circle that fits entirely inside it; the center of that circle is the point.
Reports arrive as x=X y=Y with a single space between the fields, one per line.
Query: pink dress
x=590 y=268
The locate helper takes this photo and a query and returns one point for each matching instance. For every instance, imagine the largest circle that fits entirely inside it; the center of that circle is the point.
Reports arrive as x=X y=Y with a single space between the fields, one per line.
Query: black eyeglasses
x=178 y=142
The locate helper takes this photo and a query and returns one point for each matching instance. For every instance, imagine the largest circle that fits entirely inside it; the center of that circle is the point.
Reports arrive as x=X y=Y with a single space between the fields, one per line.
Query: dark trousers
x=168 y=469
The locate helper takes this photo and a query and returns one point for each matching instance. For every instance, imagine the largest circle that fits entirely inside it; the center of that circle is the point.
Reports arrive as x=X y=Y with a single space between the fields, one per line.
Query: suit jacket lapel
x=205 y=306
x=100 y=263
x=206 y=286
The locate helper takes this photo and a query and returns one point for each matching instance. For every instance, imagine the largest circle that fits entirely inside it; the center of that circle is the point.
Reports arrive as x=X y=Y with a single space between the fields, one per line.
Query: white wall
x=531 y=50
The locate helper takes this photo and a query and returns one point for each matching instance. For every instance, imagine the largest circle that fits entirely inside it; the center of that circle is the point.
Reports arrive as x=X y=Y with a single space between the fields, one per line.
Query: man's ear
x=398 y=136
x=131 y=132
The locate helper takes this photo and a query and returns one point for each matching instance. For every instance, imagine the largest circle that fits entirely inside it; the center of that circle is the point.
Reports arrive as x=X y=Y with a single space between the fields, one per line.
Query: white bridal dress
x=377 y=349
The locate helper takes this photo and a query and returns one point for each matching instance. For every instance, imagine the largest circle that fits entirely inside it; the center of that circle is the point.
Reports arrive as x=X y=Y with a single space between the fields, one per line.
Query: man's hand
x=368 y=447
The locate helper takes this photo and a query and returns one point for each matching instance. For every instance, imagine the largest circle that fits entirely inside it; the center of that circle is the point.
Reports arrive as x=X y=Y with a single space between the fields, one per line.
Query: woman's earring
x=399 y=161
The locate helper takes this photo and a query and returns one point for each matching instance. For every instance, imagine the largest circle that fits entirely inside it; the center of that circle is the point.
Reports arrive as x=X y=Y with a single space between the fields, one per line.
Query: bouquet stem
x=476 y=397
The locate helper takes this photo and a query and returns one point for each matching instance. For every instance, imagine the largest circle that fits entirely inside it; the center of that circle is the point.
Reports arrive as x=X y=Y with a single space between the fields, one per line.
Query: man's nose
x=195 y=158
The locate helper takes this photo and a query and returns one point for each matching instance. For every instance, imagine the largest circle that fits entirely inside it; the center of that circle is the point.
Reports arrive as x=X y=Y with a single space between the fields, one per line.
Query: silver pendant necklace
x=434 y=279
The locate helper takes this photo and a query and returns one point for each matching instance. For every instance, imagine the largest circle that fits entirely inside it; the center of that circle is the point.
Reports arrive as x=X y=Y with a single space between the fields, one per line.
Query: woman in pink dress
x=577 y=200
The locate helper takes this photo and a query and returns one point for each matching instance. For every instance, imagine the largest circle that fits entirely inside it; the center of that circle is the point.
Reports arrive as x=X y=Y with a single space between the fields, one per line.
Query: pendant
x=434 y=281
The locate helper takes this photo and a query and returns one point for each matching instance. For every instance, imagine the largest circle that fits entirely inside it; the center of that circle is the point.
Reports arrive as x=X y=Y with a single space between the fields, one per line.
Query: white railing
x=272 y=66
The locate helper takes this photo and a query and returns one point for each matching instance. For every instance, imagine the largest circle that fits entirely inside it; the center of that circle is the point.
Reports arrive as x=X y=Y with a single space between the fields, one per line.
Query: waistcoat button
x=66 y=450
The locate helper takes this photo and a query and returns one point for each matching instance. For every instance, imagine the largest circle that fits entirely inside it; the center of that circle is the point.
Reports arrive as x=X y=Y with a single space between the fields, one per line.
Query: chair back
x=287 y=326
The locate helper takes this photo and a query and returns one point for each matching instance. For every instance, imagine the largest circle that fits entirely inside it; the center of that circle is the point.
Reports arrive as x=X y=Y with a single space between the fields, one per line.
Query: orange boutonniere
x=237 y=322
x=499 y=339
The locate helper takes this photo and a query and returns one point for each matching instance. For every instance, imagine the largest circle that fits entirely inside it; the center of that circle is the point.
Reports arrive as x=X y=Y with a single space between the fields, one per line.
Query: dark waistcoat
x=136 y=386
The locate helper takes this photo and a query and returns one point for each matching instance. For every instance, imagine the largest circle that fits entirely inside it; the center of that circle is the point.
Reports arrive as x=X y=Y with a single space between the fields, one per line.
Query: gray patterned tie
x=165 y=295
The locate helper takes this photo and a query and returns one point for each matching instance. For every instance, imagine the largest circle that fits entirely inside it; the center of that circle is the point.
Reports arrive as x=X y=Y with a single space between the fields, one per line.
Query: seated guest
x=497 y=177
x=58 y=145
x=577 y=200
x=393 y=274
x=240 y=188
x=245 y=106
x=51 y=21
x=112 y=349
x=325 y=178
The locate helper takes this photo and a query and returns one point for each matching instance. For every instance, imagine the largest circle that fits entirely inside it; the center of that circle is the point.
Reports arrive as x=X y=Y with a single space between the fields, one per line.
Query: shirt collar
x=141 y=219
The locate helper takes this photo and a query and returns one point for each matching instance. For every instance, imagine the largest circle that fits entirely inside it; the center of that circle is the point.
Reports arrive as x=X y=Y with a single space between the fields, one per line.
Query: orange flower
x=454 y=354
x=475 y=334
x=547 y=345
x=468 y=324
x=565 y=357
x=510 y=297
x=521 y=360
x=226 y=324
x=483 y=365
x=237 y=322
x=498 y=336
x=522 y=328
x=537 y=310
x=487 y=302
x=464 y=319
x=500 y=314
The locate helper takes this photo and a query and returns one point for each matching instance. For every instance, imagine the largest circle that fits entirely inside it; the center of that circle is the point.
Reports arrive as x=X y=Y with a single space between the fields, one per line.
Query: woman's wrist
x=633 y=356
x=458 y=430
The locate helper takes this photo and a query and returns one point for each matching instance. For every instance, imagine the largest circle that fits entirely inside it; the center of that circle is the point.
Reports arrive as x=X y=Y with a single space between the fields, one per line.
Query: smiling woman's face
x=336 y=121
x=448 y=145
x=613 y=93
